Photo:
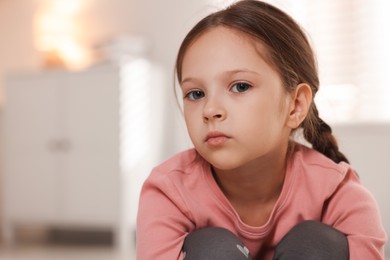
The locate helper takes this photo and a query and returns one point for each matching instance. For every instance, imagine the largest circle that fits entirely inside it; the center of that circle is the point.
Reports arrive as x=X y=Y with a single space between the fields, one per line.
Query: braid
x=319 y=134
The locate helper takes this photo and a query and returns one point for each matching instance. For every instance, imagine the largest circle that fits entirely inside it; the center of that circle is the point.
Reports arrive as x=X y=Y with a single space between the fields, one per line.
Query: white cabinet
x=28 y=124
x=66 y=140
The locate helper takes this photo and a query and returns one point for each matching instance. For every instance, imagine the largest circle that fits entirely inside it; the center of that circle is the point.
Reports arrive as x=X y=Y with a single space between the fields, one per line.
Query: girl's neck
x=254 y=188
x=258 y=182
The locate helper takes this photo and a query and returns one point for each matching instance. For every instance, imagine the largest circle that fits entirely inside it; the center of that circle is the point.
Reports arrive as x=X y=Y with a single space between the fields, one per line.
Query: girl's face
x=235 y=106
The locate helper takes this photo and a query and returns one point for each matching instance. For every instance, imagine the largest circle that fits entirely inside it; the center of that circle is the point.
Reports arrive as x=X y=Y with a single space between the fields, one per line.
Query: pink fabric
x=181 y=196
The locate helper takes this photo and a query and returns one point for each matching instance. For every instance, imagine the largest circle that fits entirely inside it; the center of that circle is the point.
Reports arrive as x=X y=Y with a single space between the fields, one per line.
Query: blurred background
x=87 y=108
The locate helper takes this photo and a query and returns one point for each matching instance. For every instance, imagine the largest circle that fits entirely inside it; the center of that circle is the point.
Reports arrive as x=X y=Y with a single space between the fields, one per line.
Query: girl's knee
x=214 y=243
x=313 y=240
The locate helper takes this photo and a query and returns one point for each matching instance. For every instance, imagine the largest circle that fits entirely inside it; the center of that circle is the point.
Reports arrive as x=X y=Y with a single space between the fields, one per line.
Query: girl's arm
x=354 y=211
x=162 y=222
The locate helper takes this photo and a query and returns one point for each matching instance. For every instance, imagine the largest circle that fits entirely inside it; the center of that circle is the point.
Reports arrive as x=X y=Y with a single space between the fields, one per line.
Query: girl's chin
x=223 y=165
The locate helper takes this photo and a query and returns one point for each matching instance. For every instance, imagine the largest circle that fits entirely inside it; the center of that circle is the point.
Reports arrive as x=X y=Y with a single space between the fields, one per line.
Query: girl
x=248 y=190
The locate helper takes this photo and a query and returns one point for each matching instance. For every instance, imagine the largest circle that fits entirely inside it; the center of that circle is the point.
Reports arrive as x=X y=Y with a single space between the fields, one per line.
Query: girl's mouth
x=216 y=138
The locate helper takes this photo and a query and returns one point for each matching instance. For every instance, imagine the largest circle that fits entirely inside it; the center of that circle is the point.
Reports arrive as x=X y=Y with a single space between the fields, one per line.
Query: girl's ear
x=301 y=99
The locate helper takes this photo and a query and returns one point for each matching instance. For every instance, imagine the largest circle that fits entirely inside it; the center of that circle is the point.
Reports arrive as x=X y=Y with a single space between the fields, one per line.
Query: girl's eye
x=240 y=87
x=195 y=95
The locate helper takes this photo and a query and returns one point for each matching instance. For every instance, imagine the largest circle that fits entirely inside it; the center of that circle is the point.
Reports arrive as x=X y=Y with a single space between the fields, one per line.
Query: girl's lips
x=216 y=138
x=216 y=141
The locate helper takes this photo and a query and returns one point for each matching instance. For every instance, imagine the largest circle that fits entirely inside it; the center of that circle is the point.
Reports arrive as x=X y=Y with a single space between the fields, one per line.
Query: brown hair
x=289 y=51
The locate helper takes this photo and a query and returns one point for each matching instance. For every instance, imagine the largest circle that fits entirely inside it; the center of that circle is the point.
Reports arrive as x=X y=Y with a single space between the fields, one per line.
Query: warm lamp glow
x=67 y=7
x=51 y=31
x=56 y=34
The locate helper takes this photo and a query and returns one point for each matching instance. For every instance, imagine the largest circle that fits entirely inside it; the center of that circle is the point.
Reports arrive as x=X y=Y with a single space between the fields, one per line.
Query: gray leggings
x=309 y=240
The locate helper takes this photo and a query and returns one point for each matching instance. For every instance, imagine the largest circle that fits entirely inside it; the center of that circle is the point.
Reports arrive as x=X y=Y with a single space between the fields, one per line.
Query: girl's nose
x=213 y=111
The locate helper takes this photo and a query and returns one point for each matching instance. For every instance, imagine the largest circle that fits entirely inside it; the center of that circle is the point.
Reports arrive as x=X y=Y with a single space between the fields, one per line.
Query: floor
x=64 y=245
x=39 y=252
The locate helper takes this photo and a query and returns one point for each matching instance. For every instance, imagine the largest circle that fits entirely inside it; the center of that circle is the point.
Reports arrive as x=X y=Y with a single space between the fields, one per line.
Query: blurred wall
x=16 y=44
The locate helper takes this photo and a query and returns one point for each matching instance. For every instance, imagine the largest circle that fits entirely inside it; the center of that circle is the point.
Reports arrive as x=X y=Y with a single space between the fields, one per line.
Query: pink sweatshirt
x=181 y=196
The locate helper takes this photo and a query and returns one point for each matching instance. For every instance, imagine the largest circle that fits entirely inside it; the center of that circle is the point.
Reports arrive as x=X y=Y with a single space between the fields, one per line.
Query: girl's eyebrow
x=224 y=74
x=188 y=79
x=232 y=72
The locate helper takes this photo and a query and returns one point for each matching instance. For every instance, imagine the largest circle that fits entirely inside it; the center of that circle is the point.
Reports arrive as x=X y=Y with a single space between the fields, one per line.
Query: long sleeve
x=162 y=222
x=354 y=211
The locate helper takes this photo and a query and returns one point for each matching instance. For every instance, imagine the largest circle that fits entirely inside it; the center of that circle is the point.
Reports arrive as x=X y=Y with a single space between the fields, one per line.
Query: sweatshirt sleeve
x=162 y=222
x=353 y=211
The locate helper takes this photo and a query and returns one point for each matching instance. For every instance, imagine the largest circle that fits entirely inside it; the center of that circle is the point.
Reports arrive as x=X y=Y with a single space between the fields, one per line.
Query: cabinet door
x=31 y=149
x=92 y=173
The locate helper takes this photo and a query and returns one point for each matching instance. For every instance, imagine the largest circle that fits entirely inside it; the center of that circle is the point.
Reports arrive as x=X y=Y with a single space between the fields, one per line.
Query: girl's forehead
x=228 y=45
x=222 y=33
x=220 y=37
